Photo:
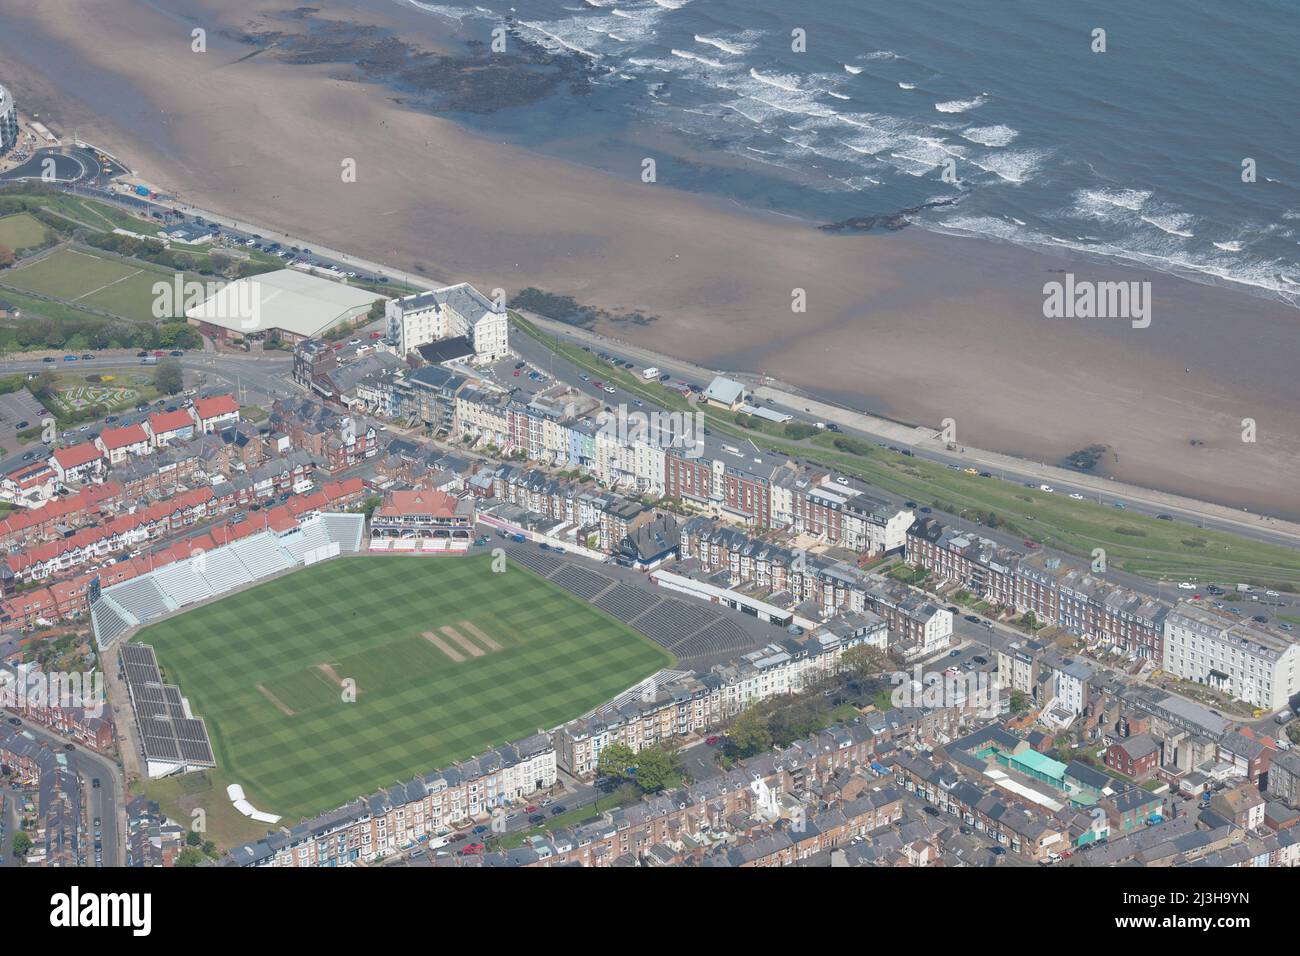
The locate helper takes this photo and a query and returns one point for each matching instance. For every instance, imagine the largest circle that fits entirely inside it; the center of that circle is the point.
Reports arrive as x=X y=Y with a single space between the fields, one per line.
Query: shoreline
x=916 y=325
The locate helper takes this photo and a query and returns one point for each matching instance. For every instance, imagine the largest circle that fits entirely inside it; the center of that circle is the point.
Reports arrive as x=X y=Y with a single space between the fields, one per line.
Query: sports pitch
x=122 y=287
x=448 y=658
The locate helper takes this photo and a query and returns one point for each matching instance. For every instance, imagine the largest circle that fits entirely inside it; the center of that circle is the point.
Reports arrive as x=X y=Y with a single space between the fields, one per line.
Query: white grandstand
x=207 y=574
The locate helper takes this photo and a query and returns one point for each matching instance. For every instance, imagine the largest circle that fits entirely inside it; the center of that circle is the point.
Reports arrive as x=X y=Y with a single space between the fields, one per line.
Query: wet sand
x=912 y=325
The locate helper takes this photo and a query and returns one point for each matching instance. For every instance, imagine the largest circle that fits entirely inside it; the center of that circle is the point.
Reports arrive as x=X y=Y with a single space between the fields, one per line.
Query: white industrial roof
x=724 y=390
x=286 y=299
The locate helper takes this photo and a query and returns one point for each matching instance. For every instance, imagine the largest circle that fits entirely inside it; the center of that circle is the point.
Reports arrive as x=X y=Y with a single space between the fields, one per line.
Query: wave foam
x=961 y=106
x=990 y=135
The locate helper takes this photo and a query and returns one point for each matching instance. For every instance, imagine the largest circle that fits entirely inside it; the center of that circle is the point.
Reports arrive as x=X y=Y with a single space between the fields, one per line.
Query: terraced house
x=1055 y=592
x=396 y=819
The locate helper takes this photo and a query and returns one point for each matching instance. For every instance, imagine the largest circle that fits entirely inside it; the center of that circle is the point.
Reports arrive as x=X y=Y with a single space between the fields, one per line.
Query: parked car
x=1165 y=517
x=537 y=819
x=69 y=358
x=557 y=810
x=713 y=741
x=175 y=353
x=972 y=618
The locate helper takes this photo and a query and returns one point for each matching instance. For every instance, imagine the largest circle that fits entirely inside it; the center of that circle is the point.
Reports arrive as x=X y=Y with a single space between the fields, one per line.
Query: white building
x=458 y=311
x=1248 y=661
x=8 y=121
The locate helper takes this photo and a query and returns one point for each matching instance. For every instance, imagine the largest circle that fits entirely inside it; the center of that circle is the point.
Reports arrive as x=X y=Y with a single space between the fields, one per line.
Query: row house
x=29 y=484
x=86 y=506
x=693 y=702
x=215 y=413
x=167 y=427
x=741 y=804
x=1057 y=594
x=920 y=626
x=483 y=414
x=91 y=727
x=397 y=819
x=121 y=444
x=78 y=463
x=986 y=809
x=725 y=487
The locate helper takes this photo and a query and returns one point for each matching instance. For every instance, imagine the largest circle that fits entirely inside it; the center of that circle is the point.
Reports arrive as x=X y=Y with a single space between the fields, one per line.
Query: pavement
x=926 y=443
x=108 y=802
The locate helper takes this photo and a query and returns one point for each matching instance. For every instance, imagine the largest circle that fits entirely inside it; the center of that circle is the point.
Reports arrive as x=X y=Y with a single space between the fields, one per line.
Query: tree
x=614 y=762
x=749 y=732
x=1019 y=702
x=190 y=856
x=656 y=768
x=376 y=309
x=863 y=660
x=169 y=379
x=22 y=843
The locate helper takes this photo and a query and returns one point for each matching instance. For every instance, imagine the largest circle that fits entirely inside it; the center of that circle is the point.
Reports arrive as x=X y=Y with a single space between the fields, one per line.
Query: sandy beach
x=913 y=325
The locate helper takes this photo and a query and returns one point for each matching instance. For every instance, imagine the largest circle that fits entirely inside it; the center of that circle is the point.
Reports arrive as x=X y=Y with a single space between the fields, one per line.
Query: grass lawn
x=262 y=667
x=1139 y=544
x=78 y=276
x=22 y=231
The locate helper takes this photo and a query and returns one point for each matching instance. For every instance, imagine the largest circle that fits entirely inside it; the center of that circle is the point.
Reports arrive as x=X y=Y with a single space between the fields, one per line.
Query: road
x=924 y=444
x=256 y=380
x=107 y=802
x=543 y=359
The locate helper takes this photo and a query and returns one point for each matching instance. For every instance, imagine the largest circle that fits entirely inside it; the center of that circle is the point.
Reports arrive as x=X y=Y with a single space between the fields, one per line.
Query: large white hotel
x=1242 y=659
x=454 y=312
x=8 y=121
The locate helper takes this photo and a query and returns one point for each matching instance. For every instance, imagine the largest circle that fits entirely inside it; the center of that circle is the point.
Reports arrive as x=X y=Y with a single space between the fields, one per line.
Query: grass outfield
x=261 y=667
x=22 y=231
x=77 y=276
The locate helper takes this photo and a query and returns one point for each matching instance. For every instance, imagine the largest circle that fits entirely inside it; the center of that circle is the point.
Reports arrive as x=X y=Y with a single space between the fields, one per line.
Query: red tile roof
x=75 y=455
x=163 y=422
x=420 y=502
x=115 y=438
x=216 y=405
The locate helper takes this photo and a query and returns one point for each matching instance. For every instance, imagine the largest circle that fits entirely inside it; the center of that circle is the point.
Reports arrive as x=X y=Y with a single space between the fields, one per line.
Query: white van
x=650 y=374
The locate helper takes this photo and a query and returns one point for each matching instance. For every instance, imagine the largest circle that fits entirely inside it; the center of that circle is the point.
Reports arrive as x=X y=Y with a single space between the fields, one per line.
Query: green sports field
x=263 y=667
x=123 y=287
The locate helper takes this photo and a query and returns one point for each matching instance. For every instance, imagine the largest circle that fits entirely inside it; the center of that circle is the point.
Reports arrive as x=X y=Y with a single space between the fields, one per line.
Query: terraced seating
x=346 y=529
x=223 y=570
x=539 y=561
x=262 y=556
x=585 y=584
x=109 y=624
x=718 y=638
x=673 y=622
x=141 y=598
x=625 y=602
x=182 y=583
